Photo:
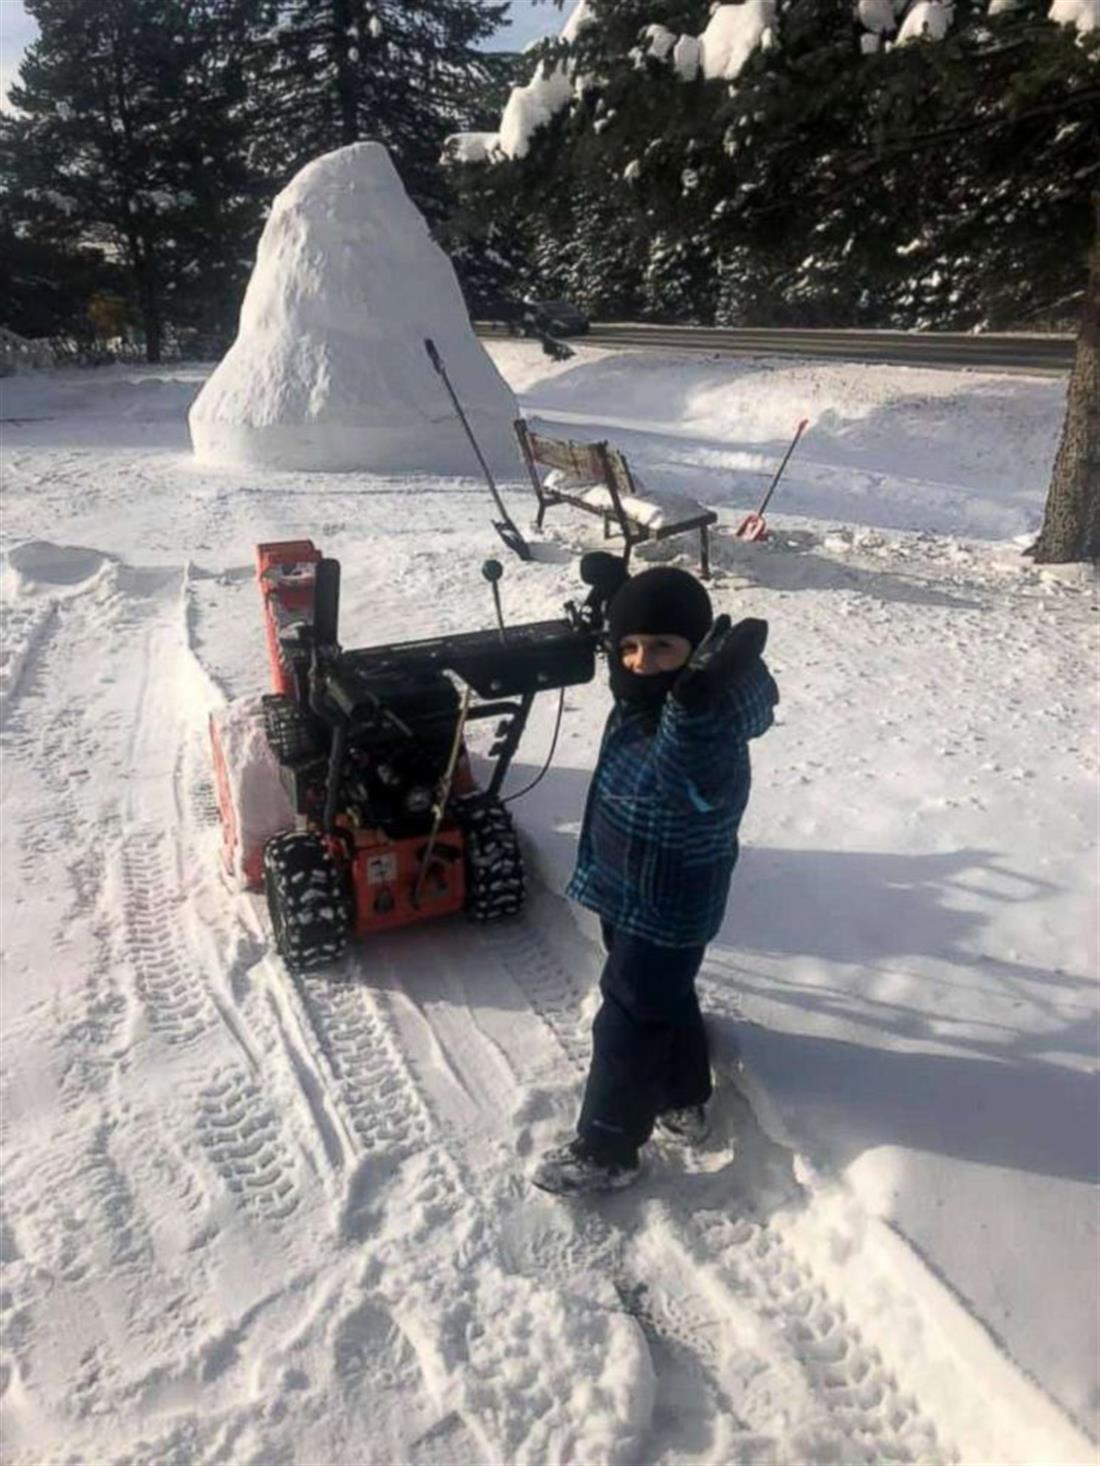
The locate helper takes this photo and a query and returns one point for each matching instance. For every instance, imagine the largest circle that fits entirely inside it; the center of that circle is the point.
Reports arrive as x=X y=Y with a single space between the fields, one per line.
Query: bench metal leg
x=704 y=553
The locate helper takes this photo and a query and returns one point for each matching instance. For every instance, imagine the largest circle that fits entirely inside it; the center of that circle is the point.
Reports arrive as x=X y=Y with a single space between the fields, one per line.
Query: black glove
x=606 y=574
x=719 y=661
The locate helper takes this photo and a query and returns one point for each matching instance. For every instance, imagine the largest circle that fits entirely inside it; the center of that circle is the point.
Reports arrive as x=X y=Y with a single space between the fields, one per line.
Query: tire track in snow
x=458 y=1252
x=60 y=822
x=350 y=1083
x=875 y=1412
x=442 y=1014
x=241 y=1131
x=177 y=942
x=870 y=1417
x=321 y=1047
x=175 y=1004
x=142 y=1118
x=370 y=1081
x=77 y=1219
x=24 y=631
x=400 y=1164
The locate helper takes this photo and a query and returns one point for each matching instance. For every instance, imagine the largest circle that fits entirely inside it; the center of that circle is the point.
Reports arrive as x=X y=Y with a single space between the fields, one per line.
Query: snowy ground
x=247 y=1219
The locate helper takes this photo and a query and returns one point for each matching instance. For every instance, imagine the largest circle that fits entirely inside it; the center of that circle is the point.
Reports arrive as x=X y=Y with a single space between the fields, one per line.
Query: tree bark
x=345 y=73
x=150 y=305
x=1071 y=520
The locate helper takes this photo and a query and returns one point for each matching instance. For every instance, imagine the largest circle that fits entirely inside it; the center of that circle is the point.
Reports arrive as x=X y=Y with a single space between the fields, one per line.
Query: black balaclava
x=661 y=601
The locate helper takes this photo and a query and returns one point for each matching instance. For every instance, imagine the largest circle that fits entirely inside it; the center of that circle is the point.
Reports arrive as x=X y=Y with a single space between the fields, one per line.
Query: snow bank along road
x=247 y=1218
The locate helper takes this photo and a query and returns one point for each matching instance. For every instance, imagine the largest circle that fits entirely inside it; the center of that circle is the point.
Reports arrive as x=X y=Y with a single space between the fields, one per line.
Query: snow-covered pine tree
x=795 y=103
x=991 y=138
x=818 y=162
x=484 y=236
x=128 y=137
x=333 y=72
x=602 y=260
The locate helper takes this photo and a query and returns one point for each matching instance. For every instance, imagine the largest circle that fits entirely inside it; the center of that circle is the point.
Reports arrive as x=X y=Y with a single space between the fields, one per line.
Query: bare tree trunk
x=1071 y=521
x=149 y=301
x=345 y=73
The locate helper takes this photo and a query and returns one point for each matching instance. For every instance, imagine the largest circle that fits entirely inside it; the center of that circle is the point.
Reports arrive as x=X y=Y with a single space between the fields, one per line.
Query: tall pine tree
x=333 y=72
x=129 y=136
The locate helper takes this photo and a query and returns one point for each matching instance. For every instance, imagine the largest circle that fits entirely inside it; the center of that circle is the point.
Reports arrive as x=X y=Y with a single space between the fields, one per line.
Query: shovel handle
x=802 y=426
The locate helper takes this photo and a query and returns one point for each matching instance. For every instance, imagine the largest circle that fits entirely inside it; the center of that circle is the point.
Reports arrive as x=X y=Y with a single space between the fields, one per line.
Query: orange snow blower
x=348 y=792
x=754 y=526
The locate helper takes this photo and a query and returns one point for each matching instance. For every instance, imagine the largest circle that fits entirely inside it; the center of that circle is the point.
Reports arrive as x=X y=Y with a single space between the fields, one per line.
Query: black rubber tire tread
x=494 y=864
x=307 y=900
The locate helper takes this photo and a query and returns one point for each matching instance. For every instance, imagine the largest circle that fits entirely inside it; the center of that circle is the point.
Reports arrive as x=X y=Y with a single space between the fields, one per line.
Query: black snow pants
x=649 y=1047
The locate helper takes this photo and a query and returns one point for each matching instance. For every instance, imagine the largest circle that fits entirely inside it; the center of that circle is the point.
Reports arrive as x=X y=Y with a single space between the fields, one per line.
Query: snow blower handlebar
x=369 y=697
x=531 y=656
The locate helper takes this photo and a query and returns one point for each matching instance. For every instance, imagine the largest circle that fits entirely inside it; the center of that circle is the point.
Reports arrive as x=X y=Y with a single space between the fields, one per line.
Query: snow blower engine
x=347 y=793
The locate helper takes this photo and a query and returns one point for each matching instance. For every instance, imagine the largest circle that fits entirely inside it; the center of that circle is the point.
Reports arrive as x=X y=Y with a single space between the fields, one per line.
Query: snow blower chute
x=347 y=792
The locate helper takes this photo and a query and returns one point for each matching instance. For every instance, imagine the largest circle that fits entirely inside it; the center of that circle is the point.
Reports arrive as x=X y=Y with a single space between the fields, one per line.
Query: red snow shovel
x=753 y=526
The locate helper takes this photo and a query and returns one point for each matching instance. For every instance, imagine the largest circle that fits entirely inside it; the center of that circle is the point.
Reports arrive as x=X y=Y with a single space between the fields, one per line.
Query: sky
x=531 y=19
x=17 y=30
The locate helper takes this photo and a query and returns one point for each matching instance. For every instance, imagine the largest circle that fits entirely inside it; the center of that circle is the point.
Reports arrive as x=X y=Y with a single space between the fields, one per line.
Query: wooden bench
x=596 y=477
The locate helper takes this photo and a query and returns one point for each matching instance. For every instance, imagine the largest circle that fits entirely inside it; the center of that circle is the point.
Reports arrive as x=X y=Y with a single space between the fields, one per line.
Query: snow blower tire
x=494 y=864
x=306 y=897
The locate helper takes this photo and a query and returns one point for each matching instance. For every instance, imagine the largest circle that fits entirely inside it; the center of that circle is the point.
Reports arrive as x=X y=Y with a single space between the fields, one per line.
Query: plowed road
x=1045 y=354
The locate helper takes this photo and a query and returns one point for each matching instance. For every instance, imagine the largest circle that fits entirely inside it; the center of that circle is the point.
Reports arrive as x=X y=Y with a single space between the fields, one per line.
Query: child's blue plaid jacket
x=659 y=838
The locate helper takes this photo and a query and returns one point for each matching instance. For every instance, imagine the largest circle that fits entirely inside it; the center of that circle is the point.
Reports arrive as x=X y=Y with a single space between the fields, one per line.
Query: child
x=657 y=850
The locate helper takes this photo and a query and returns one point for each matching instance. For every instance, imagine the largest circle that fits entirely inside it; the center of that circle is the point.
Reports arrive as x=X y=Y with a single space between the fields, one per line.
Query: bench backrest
x=589 y=463
x=582 y=461
x=598 y=463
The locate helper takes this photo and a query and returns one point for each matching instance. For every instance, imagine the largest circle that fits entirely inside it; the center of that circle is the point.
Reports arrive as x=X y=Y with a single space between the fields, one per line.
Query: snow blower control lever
x=386 y=823
x=492 y=571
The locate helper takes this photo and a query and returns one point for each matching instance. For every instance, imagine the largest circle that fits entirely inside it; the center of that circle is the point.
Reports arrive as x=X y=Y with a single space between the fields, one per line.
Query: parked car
x=558 y=317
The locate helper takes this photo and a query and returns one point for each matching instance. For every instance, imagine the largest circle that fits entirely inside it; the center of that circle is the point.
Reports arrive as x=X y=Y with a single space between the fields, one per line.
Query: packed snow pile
x=255 y=805
x=329 y=369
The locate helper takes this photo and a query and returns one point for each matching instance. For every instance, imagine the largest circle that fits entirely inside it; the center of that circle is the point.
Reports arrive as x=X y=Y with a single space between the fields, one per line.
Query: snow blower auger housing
x=347 y=792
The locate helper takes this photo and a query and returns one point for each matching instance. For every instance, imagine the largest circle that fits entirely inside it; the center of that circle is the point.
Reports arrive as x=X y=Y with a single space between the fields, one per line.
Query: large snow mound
x=329 y=369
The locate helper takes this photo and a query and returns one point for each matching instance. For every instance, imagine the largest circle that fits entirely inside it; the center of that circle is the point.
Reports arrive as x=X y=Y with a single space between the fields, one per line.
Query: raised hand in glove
x=719 y=661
